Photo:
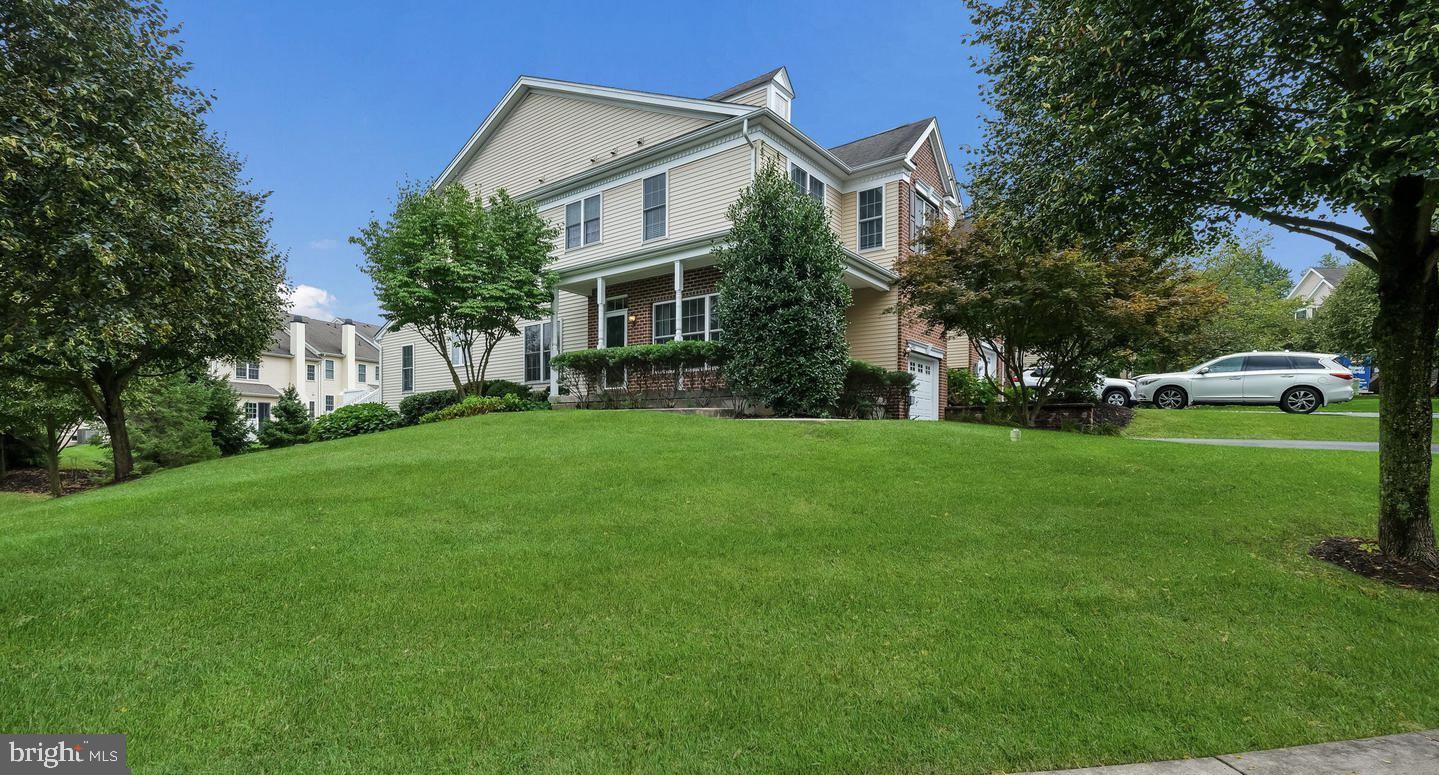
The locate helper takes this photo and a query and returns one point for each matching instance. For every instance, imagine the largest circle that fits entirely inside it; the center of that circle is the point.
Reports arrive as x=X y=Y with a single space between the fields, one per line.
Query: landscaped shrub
x=499 y=388
x=867 y=389
x=354 y=420
x=167 y=423
x=226 y=419
x=965 y=389
x=783 y=298
x=412 y=408
x=289 y=424
x=642 y=373
x=476 y=405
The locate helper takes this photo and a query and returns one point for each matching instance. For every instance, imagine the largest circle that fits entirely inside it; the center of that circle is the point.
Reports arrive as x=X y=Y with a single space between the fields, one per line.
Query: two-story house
x=1314 y=287
x=330 y=363
x=638 y=185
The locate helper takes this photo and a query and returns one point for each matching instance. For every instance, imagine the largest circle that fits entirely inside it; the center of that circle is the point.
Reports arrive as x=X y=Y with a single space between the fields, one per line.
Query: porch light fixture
x=632 y=318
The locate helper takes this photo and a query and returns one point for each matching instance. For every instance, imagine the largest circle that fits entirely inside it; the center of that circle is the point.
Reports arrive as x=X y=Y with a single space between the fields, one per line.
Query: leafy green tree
x=459 y=273
x=289 y=424
x=130 y=245
x=43 y=417
x=223 y=414
x=1172 y=120
x=1068 y=308
x=167 y=423
x=782 y=299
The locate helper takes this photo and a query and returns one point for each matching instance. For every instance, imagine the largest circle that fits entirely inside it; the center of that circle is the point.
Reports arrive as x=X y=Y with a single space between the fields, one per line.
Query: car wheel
x=1300 y=400
x=1170 y=398
x=1116 y=397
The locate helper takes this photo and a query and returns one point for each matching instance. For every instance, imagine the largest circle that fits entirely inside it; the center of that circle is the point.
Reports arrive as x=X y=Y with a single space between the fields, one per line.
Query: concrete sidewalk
x=1416 y=753
x=1351 y=446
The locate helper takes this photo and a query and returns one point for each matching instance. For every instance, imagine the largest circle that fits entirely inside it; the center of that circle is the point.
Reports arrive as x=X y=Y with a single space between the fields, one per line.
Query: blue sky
x=332 y=105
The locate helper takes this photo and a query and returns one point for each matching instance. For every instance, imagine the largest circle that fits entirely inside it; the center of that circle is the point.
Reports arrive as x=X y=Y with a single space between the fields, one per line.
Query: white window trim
x=329 y=369
x=710 y=321
x=235 y=372
x=312 y=371
x=599 y=240
x=410 y=369
x=544 y=347
x=917 y=192
x=857 y=220
x=666 y=175
x=809 y=179
x=329 y=403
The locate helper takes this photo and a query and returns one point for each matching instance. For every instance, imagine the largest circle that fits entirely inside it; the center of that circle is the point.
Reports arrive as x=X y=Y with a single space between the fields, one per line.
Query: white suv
x=1115 y=392
x=1295 y=382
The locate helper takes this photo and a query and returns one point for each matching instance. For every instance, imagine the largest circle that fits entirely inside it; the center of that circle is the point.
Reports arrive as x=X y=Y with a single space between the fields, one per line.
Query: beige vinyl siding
x=849 y=225
x=957 y=351
x=873 y=334
x=506 y=362
x=834 y=203
x=700 y=193
x=552 y=137
x=756 y=98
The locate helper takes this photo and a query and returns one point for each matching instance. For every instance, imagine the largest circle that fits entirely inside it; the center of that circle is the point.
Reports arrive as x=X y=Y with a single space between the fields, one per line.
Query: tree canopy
x=131 y=243
x=462 y=274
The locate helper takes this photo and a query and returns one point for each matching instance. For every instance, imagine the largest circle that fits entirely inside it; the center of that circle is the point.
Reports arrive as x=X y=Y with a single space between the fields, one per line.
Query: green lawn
x=1360 y=404
x=593 y=592
x=1214 y=423
x=84 y=457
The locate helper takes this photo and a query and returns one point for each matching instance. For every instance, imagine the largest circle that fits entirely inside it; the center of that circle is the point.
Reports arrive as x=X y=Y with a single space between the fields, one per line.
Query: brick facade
x=640 y=298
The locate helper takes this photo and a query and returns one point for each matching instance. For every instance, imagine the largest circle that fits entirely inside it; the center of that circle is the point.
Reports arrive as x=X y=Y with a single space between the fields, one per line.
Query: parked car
x=1295 y=382
x=1115 y=392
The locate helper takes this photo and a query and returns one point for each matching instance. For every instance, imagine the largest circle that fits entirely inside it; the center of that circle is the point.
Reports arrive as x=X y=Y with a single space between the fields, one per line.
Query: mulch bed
x=1363 y=557
x=35 y=480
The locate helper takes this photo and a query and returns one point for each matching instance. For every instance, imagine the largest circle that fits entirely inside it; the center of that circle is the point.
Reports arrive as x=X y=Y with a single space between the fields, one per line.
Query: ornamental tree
x=461 y=274
x=289 y=424
x=782 y=299
x=1069 y=308
x=43 y=417
x=130 y=243
x=1171 y=120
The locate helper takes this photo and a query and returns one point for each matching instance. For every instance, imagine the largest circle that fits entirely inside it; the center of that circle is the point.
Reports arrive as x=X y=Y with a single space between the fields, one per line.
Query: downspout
x=753 y=149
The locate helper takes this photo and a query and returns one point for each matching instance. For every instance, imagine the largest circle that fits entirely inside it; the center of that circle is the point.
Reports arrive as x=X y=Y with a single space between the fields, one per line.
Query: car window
x=1228 y=364
x=1302 y=362
x=1266 y=362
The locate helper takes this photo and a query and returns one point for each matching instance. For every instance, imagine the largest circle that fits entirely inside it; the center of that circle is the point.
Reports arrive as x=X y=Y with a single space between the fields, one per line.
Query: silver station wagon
x=1294 y=382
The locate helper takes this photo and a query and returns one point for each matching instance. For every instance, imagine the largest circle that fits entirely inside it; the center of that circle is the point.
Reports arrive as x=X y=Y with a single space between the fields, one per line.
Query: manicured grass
x=88 y=457
x=10 y=501
x=1360 y=404
x=1214 y=423
x=593 y=592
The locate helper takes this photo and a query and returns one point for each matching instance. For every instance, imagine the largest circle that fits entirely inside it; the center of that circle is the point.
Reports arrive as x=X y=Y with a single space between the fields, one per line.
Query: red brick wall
x=642 y=295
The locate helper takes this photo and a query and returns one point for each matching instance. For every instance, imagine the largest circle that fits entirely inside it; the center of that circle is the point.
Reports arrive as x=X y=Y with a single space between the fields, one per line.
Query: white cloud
x=324 y=244
x=312 y=302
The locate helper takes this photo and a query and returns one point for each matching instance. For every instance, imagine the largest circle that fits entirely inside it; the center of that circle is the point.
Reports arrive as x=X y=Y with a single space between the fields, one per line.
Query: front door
x=924 y=395
x=1223 y=382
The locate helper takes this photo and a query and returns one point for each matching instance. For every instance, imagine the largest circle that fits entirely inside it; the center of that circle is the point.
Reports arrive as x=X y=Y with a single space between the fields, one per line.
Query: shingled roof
x=1332 y=274
x=741 y=88
x=325 y=336
x=885 y=145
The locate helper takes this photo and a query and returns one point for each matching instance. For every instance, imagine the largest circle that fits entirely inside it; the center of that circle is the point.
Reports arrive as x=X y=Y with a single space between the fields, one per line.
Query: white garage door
x=924 y=396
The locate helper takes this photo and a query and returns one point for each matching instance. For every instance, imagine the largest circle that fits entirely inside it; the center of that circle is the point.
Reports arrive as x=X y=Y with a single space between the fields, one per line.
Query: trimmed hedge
x=476 y=405
x=412 y=408
x=652 y=372
x=966 y=389
x=354 y=420
x=868 y=388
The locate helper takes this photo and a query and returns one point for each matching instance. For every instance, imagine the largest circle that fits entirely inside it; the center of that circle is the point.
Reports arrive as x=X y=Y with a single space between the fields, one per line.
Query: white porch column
x=679 y=296
x=600 y=312
x=554 y=342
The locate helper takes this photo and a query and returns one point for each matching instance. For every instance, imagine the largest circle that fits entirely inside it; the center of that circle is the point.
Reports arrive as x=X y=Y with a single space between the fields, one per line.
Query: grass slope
x=582 y=592
x=1215 y=423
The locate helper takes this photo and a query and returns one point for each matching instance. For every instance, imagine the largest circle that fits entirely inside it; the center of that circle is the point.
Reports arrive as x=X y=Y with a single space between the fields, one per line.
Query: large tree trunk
x=1404 y=334
x=105 y=396
x=52 y=459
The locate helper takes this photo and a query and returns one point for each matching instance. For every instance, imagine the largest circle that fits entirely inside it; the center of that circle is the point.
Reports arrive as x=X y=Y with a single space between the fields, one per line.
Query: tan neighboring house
x=638 y=185
x=331 y=364
x=1314 y=287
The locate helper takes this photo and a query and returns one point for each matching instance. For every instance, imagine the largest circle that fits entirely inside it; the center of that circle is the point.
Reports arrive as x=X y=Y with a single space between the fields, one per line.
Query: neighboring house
x=1314 y=287
x=638 y=185
x=338 y=363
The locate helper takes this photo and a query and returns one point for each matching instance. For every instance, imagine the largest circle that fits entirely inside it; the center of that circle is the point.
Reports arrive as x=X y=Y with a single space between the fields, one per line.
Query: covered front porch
x=668 y=294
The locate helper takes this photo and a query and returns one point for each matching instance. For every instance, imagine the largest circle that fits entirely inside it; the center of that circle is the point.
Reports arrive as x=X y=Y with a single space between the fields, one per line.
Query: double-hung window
x=871 y=218
x=582 y=222
x=310 y=372
x=537 y=351
x=806 y=183
x=699 y=319
x=407 y=368
x=656 y=205
x=922 y=213
x=361 y=369
x=247 y=370
x=329 y=369
x=329 y=404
